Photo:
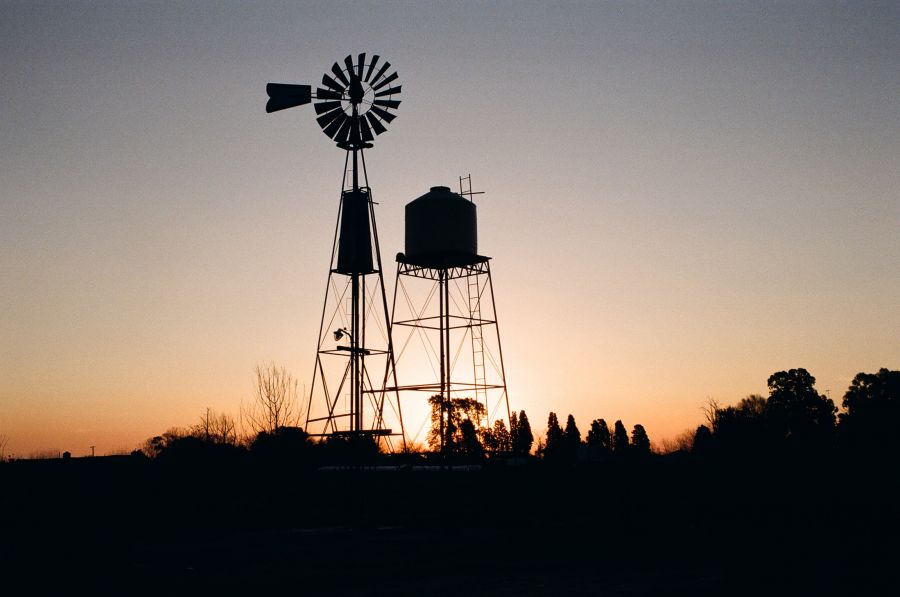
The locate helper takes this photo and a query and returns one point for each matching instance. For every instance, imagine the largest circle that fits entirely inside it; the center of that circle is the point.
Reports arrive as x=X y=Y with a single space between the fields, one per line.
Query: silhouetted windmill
x=354 y=103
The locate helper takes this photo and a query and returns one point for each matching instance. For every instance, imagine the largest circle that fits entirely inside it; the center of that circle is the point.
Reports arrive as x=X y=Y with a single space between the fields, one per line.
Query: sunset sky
x=681 y=198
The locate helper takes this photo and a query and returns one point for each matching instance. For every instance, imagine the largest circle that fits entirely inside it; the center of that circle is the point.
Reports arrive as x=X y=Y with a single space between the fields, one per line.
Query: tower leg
x=459 y=320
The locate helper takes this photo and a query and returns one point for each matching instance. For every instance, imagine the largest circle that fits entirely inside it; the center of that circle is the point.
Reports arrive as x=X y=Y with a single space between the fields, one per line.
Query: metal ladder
x=475 y=328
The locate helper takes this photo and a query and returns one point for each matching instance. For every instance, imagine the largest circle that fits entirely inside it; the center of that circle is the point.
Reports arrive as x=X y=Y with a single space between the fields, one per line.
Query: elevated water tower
x=444 y=308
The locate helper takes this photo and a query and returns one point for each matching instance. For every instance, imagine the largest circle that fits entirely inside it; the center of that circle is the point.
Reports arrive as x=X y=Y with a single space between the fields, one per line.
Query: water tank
x=441 y=230
x=355 y=244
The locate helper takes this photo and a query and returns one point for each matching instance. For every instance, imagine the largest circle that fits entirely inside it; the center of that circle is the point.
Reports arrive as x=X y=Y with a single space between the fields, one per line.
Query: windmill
x=349 y=396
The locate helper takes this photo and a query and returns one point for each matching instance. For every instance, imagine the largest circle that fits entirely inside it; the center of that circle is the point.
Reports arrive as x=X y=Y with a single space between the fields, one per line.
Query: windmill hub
x=356 y=91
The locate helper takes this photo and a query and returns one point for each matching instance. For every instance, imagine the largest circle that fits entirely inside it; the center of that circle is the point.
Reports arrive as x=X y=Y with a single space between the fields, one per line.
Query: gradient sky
x=681 y=199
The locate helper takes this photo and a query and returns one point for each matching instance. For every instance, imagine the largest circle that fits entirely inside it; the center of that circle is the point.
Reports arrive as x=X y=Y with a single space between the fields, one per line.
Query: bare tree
x=683 y=442
x=216 y=428
x=274 y=403
x=711 y=411
x=4 y=440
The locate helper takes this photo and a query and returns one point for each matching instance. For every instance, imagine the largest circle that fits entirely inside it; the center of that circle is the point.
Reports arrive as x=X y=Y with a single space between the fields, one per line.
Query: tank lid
x=440 y=194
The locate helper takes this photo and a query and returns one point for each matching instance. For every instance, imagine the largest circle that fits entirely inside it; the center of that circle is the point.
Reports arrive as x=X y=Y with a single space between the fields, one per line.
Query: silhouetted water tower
x=446 y=293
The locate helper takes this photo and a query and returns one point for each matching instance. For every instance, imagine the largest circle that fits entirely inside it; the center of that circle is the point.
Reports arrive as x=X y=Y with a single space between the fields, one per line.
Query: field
x=662 y=526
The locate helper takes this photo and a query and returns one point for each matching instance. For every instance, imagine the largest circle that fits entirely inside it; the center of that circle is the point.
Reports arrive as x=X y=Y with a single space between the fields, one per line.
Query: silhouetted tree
x=522 y=438
x=683 y=443
x=190 y=452
x=4 y=440
x=274 y=403
x=598 y=440
x=702 y=440
x=571 y=439
x=497 y=438
x=286 y=445
x=216 y=428
x=598 y=437
x=344 y=450
x=640 y=443
x=795 y=411
x=555 y=444
x=158 y=444
x=458 y=410
x=873 y=411
x=619 y=438
x=468 y=444
x=744 y=428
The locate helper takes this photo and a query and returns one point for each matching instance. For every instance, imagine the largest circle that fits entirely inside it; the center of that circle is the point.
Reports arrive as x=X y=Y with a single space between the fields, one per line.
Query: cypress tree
x=620 y=438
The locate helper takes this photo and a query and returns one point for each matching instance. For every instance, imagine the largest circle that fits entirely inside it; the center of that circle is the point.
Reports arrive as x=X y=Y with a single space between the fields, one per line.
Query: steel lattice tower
x=444 y=298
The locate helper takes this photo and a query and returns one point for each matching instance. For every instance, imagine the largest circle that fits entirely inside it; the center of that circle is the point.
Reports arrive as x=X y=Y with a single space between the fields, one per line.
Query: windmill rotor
x=355 y=102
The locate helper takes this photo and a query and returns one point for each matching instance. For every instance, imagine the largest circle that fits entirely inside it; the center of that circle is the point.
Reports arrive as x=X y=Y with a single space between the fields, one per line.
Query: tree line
x=796 y=419
x=793 y=419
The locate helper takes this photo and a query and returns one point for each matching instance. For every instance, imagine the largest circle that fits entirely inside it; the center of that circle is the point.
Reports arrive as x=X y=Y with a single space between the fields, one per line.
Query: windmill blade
x=391 y=91
x=385 y=81
x=343 y=133
x=361 y=62
x=322 y=107
x=285 y=95
x=325 y=119
x=332 y=84
x=383 y=114
x=351 y=70
x=339 y=74
x=387 y=103
x=376 y=124
x=335 y=124
x=364 y=130
x=327 y=94
x=371 y=67
x=384 y=67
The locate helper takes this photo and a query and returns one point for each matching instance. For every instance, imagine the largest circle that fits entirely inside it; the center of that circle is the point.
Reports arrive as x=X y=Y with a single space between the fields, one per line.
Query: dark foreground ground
x=662 y=527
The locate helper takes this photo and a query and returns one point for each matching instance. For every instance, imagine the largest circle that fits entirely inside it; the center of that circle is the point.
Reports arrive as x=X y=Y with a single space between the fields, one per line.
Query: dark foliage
x=347 y=450
x=702 y=441
x=620 y=442
x=743 y=428
x=469 y=446
x=497 y=439
x=285 y=446
x=797 y=413
x=460 y=418
x=522 y=437
x=640 y=442
x=571 y=440
x=599 y=441
x=872 y=420
x=554 y=449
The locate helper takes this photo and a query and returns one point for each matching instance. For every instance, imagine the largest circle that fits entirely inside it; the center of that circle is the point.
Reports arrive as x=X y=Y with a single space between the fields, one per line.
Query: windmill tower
x=444 y=313
x=354 y=357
